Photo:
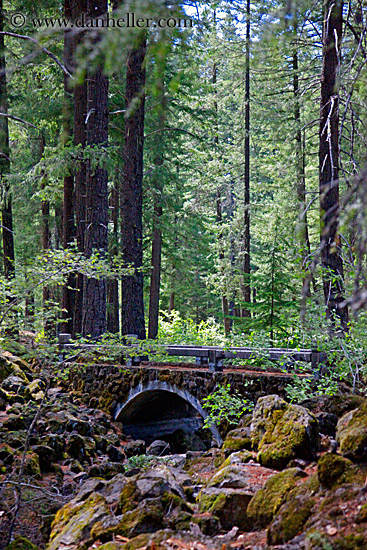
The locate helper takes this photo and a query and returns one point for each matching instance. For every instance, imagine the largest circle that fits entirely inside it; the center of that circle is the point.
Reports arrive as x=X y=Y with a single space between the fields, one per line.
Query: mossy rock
x=268 y=411
x=294 y=434
x=21 y=543
x=209 y=524
x=353 y=541
x=267 y=501
x=334 y=470
x=230 y=477
x=338 y=404
x=290 y=519
x=74 y=521
x=237 y=440
x=362 y=514
x=148 y=517
x=112 y=546
x=351 y=434
x=14 y=422
x=228 y=505
x=241 y=457
x=32 y=465
x=7 y=454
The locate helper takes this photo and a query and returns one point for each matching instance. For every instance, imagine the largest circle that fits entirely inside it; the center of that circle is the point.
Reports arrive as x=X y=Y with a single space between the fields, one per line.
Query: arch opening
x=159 y=410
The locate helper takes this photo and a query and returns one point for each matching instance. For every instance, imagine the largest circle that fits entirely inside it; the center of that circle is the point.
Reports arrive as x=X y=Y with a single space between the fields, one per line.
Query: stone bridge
x=152 y=401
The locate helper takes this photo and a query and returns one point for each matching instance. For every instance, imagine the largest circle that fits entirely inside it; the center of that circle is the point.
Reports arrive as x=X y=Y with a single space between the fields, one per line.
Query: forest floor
x=72 y=479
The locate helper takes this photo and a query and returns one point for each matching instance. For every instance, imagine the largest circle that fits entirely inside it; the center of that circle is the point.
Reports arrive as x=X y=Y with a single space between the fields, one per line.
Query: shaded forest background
x=193 y=183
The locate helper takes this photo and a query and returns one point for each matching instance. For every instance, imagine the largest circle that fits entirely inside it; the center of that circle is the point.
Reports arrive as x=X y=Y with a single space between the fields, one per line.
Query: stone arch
x=152 y=388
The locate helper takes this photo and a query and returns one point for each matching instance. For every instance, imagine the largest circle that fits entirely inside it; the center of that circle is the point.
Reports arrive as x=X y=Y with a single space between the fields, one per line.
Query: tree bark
x=6 y=208
x=96 y=234
x=132 y=193
x=219 y=217
x=80 y=115
x=113 y=309
x=246 y=222
x=331 y=259
x=68 y=292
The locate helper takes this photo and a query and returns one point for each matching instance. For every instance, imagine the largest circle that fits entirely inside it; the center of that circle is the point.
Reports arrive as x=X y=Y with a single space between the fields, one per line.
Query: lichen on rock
x=351 y=434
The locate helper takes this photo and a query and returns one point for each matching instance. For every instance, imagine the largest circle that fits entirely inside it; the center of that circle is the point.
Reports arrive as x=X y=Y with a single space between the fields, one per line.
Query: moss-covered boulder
x=351 y=434
x=13 y=383
x=237 y=440
x=338 y=404
x=32 y=465
x=11 y=365
x=228 y=505
x=75 y=446
x=241 y=457
x=268 y=411
x=290 y=519
x=21 y=543
x=74 y=521
x=334 y=470
x=282 y=432
x=267 y=501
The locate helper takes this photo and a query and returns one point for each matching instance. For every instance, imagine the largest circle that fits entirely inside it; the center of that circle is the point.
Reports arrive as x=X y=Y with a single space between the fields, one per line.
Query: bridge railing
x=211 y=356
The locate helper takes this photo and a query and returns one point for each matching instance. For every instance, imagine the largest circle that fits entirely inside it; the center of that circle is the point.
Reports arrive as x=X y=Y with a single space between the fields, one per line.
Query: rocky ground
x=288 y=477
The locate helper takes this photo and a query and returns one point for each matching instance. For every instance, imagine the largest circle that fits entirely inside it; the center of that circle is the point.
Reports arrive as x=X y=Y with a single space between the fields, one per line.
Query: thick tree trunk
x=132 y=194
x=80 y=115
x=6 y=208
x=332 y=263
x=96 y=235
x=68 y=292
x=113 y=309
x=246 y=222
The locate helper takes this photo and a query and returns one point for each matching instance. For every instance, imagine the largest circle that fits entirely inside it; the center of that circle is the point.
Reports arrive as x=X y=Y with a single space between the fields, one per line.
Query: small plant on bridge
x=224 y=405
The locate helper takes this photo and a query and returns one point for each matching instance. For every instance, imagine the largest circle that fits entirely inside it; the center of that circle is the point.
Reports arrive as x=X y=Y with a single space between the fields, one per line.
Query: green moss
x=211 y=502
x=290 y=519
x=112 y=546
x=32 y=465
x=352 y=434
x=294 y=435
x=236 y=443
x=362 y=514
x=351 y=542
x=334 y=470
x=74 y=521
x=148 y=517
x=228 y=505
x=21 y=543
x=128 y=498
x=267 y=501
x=241 y=457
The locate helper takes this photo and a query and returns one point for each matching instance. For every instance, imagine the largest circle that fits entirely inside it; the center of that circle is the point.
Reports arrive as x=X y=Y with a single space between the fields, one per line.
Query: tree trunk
x=132 y=193
x=96 y=236
x=246 y=221
x=6 y=208
x=68 y=292
x=49 y=326
x=80 y=115
x=219 y=217
x=331 y=259
x=113 y=310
